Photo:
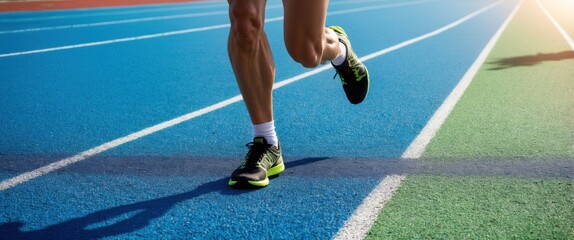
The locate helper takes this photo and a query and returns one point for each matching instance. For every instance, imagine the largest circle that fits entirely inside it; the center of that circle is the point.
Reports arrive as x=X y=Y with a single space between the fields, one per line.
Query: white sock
x=266 y=130
x=342 y=55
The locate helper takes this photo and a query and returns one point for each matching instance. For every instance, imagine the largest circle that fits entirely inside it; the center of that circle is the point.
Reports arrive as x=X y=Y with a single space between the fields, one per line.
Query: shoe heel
x=275 y=171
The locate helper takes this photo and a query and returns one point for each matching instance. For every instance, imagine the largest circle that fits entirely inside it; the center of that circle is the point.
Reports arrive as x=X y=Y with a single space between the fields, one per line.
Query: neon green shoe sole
x=262 y=162
x=273 y=172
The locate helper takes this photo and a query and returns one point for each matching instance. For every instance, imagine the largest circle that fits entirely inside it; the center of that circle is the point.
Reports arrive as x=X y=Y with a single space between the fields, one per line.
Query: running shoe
x=354 y=74
x=261 y=162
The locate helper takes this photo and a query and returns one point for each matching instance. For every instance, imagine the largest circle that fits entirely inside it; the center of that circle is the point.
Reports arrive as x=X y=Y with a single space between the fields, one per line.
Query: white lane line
x=557 y=25
x=135 y=20
x=165 y=34
x=361 y=221
x=109 y=145
x=126 y=12
x=377 y=7
x=418 y=146
x=366 y=214
x=112 y=144
x=129 y=39
x=158 y=18
x=152 y=10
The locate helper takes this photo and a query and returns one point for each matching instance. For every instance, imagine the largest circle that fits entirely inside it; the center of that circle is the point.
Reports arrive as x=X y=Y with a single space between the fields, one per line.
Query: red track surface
x=70 y=4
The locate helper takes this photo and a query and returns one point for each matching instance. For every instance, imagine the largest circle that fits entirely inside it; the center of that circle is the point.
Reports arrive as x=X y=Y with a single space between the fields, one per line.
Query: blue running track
x=94 y=81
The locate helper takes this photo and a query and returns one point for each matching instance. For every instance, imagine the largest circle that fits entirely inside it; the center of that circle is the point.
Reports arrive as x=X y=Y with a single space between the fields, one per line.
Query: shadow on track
x=530 y=60
x=132 y=217
x=140 y=214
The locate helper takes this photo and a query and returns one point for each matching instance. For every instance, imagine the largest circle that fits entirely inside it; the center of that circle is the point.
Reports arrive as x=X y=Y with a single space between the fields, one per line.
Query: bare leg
x=307 y=39
x=251 y=57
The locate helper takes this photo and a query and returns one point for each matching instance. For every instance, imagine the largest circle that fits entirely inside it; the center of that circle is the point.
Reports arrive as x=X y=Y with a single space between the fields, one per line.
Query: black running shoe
x=354 y=74
x=261 y=162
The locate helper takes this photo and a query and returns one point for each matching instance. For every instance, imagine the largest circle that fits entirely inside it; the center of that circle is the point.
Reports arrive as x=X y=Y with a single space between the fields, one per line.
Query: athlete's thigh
x=304 y=20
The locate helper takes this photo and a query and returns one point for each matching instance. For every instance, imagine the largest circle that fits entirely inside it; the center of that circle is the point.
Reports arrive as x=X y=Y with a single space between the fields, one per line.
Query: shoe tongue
x=260 y=140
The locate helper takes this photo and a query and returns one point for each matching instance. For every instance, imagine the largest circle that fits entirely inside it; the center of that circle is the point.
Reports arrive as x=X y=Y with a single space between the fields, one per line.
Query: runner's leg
x=307 y=39
x=310 y=43
x=251 y=58
x=254 y=70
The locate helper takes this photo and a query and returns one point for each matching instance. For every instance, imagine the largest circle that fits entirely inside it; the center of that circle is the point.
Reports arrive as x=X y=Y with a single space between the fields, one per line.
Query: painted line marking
x=116 y=40
x=135 y=20
x=418 y=146
x=158 y=18
x=368 y=212
x=361 y=221
x=112 y=144
x=158 y=8
x=165 y=34
x=109 y=145
x=557 y=25
x=127 y=12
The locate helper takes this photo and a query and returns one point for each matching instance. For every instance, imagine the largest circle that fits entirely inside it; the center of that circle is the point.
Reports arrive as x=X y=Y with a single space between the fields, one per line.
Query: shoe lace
x=255 y=154
x=342 y=70
x=351 y=69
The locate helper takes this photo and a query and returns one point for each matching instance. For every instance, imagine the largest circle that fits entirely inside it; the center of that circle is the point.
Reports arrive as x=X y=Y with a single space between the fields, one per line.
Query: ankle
x=340 y=59
x=267 y=131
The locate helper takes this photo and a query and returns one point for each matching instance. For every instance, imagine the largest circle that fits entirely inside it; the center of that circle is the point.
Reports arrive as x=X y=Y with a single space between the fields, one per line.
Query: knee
x=246 y=24
x=307 y=53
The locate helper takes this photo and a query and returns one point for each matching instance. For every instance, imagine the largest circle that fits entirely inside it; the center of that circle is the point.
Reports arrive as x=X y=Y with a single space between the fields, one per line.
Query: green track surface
x=521 y=103
x=519 y=106
x=432 y=207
